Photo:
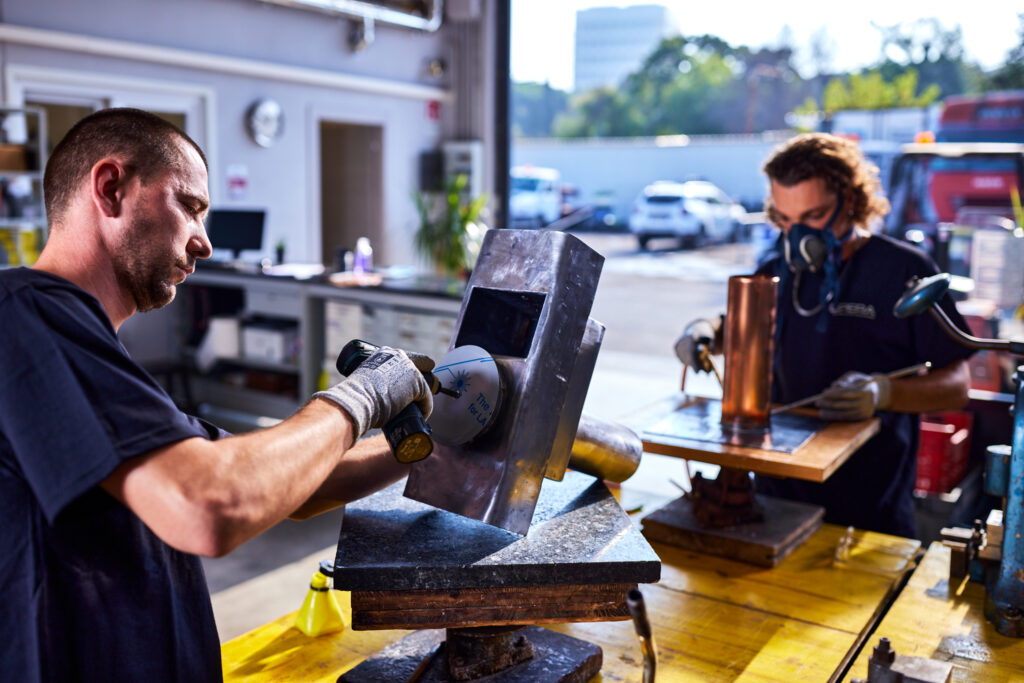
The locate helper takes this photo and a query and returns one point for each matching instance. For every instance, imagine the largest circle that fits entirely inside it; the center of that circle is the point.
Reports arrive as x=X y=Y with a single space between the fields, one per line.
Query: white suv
x=692 y=212
x=535 y=196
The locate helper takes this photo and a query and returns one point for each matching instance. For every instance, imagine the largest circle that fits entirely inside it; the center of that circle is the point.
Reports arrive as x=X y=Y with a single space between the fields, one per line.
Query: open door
x=351 y=186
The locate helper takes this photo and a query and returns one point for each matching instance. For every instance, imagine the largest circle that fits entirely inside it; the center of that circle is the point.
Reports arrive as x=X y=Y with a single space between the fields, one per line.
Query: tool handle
x=406 y=433
x=895 y=374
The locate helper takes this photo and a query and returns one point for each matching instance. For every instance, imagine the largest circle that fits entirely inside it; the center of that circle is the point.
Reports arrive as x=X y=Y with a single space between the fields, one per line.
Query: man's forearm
x=943 y=389
x=209 y=497
x=365 y=468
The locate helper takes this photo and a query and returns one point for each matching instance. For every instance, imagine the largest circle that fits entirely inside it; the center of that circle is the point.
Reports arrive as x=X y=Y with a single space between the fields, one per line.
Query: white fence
x=621 y=167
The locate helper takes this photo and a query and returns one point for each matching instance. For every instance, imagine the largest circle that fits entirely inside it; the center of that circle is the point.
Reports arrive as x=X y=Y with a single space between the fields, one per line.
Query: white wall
x=392 y=89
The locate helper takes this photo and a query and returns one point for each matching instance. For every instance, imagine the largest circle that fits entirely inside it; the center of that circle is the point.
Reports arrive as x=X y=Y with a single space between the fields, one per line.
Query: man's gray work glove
x=700 y=339
x=855 y=396
x=381 y=387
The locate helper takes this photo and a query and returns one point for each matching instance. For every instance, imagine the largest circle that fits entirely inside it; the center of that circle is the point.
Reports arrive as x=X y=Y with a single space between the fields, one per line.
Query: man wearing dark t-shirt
x=836 y=332
x=108 y=493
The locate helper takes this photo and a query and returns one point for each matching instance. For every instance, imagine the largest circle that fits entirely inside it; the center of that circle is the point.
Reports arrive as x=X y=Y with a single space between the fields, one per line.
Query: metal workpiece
x=564 y=448
x=579 y=535
x=606 y=450
x=527 y=304
x=749 y=352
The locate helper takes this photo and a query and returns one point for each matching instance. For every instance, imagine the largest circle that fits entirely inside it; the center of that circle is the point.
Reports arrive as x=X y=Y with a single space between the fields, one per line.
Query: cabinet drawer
x=278 y=304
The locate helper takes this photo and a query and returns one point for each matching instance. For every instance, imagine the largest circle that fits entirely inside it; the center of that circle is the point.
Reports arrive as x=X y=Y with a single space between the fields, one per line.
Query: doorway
x=351 y=186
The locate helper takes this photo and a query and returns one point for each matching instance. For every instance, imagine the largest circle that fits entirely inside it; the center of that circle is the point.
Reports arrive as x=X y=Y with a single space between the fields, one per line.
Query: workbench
x=936 y=620
x=712 y=618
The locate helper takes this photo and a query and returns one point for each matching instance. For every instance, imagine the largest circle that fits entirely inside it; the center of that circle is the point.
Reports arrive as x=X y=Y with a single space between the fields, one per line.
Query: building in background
x=612 y=42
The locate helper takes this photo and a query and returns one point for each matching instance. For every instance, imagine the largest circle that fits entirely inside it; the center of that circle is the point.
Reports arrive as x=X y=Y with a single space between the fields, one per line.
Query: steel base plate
x=785 y=526
x=701 y=421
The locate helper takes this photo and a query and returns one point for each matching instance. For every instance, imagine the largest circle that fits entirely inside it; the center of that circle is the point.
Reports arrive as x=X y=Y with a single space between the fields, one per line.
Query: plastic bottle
x=320 y=612
x=363 y=259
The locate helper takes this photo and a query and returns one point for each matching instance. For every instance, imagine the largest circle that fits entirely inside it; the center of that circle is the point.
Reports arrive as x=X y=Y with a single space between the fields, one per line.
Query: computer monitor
x=236 y=229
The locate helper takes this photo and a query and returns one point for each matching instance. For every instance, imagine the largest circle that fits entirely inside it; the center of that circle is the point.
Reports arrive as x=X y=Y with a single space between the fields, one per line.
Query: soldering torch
x=407 y=433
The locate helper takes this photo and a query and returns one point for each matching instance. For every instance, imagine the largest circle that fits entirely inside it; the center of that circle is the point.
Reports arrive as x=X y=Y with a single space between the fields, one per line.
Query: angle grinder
x=407 y=433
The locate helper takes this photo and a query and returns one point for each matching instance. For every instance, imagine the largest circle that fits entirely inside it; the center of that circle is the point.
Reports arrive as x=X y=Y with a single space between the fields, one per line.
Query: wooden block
x=816 y=460
x=413 y=609
x=786 y=525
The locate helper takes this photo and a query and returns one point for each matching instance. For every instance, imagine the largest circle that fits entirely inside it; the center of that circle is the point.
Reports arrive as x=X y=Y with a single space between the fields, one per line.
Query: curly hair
x=836 y=160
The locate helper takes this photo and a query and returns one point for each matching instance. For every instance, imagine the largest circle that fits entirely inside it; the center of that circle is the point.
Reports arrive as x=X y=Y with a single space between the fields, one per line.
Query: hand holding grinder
x=390 y=389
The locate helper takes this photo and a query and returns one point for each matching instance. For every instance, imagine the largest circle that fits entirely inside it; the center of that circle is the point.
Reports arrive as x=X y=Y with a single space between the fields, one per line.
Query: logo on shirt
x=852 y=310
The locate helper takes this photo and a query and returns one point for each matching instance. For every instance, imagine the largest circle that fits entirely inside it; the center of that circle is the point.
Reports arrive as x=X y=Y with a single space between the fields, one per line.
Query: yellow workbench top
x=713 y=620
x=930 y=619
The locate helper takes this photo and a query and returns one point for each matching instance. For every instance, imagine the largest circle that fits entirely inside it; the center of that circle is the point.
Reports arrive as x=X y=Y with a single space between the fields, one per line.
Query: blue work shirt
x=89 y=593
x=874 y=489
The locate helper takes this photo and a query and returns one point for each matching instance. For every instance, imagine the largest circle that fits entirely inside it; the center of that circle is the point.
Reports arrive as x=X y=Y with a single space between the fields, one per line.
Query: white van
x=535 y=197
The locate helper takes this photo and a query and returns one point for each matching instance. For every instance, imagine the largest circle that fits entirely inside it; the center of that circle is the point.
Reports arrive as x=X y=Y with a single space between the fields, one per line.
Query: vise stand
x=492 y=535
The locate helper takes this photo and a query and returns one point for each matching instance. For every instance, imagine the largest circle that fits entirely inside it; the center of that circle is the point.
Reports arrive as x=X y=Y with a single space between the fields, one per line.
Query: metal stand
x=727 y=500
x=412 y=566
x=509 y=654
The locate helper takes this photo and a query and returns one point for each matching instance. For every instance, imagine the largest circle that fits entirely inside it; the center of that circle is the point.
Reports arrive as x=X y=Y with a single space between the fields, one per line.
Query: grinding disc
x=471 y=371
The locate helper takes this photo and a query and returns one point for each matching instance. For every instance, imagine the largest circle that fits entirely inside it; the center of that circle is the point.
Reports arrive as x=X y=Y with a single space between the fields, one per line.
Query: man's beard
x=143 y=269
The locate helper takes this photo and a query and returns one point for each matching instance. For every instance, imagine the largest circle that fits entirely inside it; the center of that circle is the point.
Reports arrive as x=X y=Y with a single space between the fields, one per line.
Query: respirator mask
x=807 y=248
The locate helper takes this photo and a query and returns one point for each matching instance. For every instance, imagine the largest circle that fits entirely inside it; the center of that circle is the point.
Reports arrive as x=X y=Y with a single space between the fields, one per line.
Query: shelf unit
x=325 y=317
x=23 y=150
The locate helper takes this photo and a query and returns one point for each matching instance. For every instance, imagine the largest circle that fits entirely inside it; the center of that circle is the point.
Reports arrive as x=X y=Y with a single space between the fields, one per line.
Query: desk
x=930 y=620
x=713 y=619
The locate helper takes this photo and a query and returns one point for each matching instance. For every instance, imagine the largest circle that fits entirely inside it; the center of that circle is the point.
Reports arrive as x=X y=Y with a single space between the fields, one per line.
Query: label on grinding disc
x=472 y=372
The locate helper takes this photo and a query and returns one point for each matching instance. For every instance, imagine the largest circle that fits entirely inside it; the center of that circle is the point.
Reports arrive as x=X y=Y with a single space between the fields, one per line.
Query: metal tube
x=1007 y=594
x=749 y=351
x=972 y=342
x=637 y=610
x=606 y=450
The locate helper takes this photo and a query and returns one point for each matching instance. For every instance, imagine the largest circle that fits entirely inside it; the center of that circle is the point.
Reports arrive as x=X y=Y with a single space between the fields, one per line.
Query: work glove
x=701 y=339
x=381 y=387
x=855 y=396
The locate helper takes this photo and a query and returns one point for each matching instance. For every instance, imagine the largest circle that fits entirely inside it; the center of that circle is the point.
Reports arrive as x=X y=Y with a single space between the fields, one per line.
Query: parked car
x=535 y=196
x=693 y=212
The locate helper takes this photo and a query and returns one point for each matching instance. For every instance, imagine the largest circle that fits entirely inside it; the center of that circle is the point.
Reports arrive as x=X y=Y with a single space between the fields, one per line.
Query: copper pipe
x=749 y=351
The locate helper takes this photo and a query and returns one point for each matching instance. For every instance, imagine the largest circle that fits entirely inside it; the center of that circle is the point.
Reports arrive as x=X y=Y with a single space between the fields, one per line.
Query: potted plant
x=450 y=233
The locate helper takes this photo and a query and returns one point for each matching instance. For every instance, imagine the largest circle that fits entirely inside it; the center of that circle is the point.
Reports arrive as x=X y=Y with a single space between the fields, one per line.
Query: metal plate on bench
x=701 y=421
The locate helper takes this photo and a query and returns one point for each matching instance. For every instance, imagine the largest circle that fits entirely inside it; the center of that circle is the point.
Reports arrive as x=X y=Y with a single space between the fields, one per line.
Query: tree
x=870 y=90
x=935 y=52
x=602 y=112
x=535 y=106
x=703 y=85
